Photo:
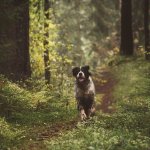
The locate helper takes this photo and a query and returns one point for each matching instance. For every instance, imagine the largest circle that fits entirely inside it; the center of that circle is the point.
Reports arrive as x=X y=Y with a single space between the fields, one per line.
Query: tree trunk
x=14 y=39
x=126 y=48
x=146 y=29
x=46 y=52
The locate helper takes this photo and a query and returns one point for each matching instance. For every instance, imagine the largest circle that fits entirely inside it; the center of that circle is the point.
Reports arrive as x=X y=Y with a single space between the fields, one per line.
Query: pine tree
x=126 y=28
x=146 y=28
x=14 y=39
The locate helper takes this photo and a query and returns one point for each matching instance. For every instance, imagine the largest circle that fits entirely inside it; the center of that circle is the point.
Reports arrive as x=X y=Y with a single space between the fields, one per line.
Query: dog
x=84 y=91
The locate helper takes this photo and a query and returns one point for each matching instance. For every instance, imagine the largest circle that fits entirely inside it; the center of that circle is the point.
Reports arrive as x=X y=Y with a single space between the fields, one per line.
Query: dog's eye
x=75 y=71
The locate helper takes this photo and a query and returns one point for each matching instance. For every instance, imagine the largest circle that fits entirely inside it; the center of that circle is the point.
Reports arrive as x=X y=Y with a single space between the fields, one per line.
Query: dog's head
x=81 y=73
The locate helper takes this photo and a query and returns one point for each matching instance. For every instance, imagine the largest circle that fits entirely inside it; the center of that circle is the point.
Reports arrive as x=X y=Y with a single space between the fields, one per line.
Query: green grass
x=27 y=112
x=126 y=129
x=9 y=135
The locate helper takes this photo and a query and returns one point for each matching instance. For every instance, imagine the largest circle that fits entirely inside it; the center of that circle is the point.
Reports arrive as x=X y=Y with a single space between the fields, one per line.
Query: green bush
x=9 y=136
x=12 y=98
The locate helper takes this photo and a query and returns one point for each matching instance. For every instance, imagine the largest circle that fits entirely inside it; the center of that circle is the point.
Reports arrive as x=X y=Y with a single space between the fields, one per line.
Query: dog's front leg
x=90 y=112
x=82 y=114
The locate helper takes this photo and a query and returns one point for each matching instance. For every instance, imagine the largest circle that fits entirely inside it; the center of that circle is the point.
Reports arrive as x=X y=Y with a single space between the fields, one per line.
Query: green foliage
x=58 y=46
x=37 y=106
x=100 y=134
x=74 y=38
x=12 y=98
x=9 y=135
x=105 y=16
x=128 y=128
x=81 y=25
x=31 y=107
x=37 y=38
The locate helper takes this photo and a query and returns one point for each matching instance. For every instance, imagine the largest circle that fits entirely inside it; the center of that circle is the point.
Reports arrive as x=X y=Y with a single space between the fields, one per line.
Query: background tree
x=14 y=39
x=46 y=51
x=106 y=25
x=90 y=26
x=138 y=26
x=146 y=29
x=126 y=28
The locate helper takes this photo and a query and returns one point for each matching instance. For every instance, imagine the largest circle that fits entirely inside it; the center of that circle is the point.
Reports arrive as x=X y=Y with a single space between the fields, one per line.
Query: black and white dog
x=84 y=91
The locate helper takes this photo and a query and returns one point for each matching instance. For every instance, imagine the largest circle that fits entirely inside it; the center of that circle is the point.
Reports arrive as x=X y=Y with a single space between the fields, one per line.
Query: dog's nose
x=80 y=74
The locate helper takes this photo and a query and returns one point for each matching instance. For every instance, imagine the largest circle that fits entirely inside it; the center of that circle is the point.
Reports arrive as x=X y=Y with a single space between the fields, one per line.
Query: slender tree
x=14 y=39
x=46 y=52
x=126 y=28
x=78 y=18
x=146 y=29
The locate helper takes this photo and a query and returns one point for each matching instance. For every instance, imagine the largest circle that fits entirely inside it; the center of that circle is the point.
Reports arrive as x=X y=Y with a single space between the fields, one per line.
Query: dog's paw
x=83 y=115
x=93 y=110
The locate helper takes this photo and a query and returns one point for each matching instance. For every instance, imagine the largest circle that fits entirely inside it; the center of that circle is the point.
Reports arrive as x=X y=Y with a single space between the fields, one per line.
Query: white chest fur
x=87 y=91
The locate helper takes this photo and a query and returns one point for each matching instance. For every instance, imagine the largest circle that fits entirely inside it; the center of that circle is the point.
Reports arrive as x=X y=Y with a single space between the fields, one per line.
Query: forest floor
x=121 y=122
x=104 y=84
x=123 y=108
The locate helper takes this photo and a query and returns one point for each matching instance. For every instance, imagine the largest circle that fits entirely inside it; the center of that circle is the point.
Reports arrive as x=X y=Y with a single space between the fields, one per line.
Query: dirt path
x=47 y=133
x=104 y=83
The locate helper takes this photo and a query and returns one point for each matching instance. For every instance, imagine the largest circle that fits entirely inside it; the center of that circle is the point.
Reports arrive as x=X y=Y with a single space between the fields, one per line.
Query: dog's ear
x=86 y=67
x=75 y=71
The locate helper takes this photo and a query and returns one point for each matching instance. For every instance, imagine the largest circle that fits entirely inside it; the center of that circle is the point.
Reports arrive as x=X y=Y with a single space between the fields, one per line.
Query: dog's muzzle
x=80 y=76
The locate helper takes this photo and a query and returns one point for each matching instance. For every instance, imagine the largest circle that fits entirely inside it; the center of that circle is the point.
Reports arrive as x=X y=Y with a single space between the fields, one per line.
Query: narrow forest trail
x=47 y=133
x=104 y=83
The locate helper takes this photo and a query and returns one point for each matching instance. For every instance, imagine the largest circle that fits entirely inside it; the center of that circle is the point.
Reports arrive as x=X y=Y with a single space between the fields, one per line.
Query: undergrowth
x=128 y=127
x=27 y=110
